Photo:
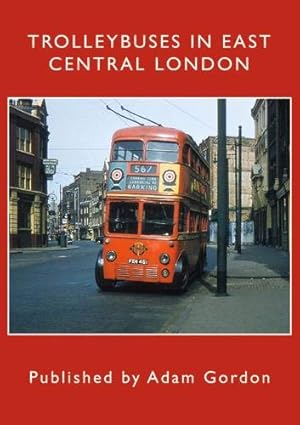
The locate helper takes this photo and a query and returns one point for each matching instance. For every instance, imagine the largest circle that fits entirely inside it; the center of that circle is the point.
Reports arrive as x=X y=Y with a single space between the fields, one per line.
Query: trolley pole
x=222 y=201
x=238 y=243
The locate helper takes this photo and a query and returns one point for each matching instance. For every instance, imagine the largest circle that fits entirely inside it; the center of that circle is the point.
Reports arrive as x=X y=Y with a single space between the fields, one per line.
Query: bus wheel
x=185 y=278
x=106 y=285
x=103 y=284
x=182 y=275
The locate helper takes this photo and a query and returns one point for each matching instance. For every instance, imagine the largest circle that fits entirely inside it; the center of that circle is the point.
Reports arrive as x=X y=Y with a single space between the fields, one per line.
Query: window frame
x=116 y=151
x=155 y=224
x=163 y=151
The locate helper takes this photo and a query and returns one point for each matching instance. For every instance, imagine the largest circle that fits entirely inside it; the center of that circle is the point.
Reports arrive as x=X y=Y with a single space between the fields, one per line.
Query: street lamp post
x=73 y=204
x=76 y=210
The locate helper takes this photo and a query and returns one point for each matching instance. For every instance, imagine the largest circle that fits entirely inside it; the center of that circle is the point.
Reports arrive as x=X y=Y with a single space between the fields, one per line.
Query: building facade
x=261 y=212
x=28 y=137
x=271 y=174
x=209 y=149
x=76 y=203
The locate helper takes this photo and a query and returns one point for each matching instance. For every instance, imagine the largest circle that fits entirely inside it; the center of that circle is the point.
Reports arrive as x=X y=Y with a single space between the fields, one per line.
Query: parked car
x=99 y=239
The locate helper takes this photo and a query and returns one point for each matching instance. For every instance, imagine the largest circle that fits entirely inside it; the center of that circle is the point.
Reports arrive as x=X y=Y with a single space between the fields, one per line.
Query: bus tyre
x=182 y=275
x=103 y=284
x=185 y=279
x=106 y=285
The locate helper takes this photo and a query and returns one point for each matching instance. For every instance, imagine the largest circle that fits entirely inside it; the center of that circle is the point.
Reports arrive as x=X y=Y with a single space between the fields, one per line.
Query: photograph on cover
x=142 y=216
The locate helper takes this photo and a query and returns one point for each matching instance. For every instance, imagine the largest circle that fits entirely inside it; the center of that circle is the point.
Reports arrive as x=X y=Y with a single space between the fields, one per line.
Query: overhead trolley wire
x=188 y=113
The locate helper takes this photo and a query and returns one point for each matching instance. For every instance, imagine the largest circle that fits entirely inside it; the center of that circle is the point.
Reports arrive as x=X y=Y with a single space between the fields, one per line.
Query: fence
x=247 y=232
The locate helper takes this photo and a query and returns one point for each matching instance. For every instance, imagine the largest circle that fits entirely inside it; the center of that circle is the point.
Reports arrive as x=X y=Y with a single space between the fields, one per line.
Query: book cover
x=157 y=357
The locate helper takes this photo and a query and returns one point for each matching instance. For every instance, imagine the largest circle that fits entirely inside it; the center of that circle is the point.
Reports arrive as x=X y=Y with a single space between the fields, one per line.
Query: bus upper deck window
x=127 y=150
x=162 y=151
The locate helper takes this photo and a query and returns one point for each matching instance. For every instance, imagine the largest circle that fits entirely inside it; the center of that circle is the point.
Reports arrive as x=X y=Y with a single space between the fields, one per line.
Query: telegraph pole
x=222 y=201
x=236 y=191
x=238 y=242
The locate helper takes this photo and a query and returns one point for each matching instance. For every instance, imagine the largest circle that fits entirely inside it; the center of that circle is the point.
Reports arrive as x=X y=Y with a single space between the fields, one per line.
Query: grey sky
x=81 y=128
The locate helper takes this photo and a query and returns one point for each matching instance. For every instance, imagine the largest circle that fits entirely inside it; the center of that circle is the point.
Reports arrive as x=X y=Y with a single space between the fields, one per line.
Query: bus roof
x=149 y=132
x=157 y=132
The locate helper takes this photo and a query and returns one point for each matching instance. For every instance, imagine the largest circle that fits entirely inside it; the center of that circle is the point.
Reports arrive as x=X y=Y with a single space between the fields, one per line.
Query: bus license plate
x=138 y=261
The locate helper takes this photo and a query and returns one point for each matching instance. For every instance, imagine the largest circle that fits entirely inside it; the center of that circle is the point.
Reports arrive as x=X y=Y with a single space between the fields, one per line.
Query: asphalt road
x=55 y=292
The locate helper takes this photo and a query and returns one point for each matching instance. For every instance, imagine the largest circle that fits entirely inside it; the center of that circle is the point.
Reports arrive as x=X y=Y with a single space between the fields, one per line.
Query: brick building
x=28 y=138
x=76 y=201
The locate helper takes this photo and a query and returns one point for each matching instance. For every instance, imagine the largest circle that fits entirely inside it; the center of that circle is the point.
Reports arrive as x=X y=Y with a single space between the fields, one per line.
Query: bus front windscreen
x=123 y=217
x=158 y=219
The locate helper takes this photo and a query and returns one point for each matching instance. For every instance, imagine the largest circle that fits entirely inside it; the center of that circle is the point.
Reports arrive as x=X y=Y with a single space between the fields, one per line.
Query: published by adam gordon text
x=154 y=377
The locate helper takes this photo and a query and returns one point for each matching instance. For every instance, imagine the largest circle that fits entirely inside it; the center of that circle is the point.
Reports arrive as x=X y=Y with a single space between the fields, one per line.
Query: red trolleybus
x=157 y=204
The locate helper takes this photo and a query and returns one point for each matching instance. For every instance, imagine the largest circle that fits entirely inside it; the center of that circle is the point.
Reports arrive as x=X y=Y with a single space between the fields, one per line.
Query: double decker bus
x=156 y=217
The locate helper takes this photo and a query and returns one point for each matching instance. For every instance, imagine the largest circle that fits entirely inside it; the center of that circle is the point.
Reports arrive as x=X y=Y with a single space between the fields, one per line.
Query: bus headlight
x=164 y=258
x=111 y=256
x=165 y=273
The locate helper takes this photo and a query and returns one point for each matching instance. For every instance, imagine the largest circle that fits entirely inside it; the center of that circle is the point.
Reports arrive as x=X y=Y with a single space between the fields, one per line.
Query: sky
x=81 y=128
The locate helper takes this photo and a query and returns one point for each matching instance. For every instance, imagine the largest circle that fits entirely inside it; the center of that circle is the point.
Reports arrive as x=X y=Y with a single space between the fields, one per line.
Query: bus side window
x=194 y=221
x=183 y=218
x=198 y=223
x=185 y=154
x=195 y=162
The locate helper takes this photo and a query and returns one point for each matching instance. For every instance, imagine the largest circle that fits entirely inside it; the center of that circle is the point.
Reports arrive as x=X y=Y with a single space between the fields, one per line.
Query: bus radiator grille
x=125 y=272
x=151 y=272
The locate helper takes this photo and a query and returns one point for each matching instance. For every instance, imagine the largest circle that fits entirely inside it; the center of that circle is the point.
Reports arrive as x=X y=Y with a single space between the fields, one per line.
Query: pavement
x=257 y=300
x=52 y=246
x=254 y=262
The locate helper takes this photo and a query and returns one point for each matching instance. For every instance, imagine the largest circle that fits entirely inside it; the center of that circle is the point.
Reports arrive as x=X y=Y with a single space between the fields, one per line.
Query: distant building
x=76 y=199
x=97 y=206
x=28 y=136
x=271 y=172
x=209 y=149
